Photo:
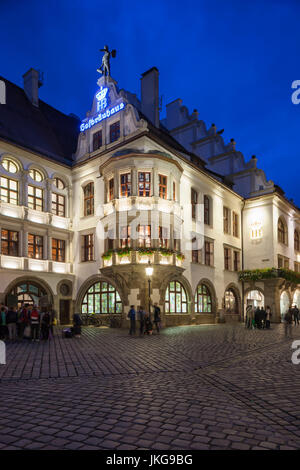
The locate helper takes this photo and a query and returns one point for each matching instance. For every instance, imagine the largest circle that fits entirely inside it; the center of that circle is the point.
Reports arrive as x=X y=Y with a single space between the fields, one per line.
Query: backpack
x=34 y=316
x=24 y=315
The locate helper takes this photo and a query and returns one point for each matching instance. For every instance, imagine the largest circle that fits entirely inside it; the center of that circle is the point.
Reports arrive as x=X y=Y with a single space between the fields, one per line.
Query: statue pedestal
x=105 y=80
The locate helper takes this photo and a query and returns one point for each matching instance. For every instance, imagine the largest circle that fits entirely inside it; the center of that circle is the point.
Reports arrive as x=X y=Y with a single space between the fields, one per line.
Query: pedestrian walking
x=288 y=319
x=3 y=326
x=248 y=319
x=257 y=317
x=34 y=318
x=131 y=316
x=141 y=316
x=157 y=318
x=263 y=317
x=45 y=325
x=296 y=315
x=11 y=321
x=268 y=317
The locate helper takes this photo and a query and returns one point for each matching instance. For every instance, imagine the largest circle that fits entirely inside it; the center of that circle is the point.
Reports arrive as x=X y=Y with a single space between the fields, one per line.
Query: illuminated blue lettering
x=109 y=112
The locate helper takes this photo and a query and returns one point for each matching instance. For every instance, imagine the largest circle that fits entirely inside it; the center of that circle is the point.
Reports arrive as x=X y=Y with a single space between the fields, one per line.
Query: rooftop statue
x=105 y=66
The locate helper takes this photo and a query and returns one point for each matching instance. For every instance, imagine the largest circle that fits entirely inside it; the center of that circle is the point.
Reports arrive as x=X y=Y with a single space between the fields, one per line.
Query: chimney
x=31 y=85
x=150 y=95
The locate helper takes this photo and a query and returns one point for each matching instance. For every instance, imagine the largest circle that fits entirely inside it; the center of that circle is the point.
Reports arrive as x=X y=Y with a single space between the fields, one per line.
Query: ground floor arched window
x=27 y=292
x=175 y=298
x=296 y=298
x=203 y=303
x=101 y=297
x=256 y=298
x=284 y=303
x=231 y=303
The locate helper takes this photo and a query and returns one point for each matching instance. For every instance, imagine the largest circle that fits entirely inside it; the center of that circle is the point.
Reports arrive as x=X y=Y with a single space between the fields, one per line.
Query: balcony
x=140 y=256
x=37 y=217
x=142 y=204
x=38 y=265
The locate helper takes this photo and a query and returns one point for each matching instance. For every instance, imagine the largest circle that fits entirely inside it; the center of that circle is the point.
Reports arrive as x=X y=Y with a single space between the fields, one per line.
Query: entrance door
x=64 y=311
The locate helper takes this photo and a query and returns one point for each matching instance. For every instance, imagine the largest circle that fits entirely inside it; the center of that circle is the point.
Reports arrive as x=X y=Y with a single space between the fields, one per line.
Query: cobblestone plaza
x=197 y=387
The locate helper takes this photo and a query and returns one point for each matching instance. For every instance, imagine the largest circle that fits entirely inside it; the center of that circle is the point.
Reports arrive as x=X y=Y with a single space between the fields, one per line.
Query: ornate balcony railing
x=142 y=256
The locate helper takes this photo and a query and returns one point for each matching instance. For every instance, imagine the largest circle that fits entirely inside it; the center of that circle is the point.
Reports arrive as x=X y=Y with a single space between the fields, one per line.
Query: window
x=236 y=260
x=227 y=259
x=9 y=166
x=163 y=236
x=286 y=263
x=58 y=250
x=235 y=224
x=174 y=191
x=144 y=235
x=28 y=293
x=226 y=220
x=206 y=210
x=110 y=239
x=209 y=253
x=59 y=183
x=88 y=194
x=111 y=186
x=296 y=241
x=176 y=240
x=125 y=240
x=280 y=261
x=125 y=184
x=9 y=190
x=88 y=247
x=58 y=204
x=97 y=140
x=203 y=302
x=101 y=298
x=144 y=184
x=175 y=298
x=297 y=267
x=196 y=253
x=36 y=175
x=231 y=305
x=162 y=186
x=194 y=200
x=35 y=198
x=35 y=246
x=9 y=243
x=114 y=131
x=282 y=231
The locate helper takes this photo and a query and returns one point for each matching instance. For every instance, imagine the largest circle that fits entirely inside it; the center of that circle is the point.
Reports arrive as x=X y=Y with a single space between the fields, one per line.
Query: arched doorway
x=255 y=298
x=284 y=303
x=29 y=292
x=231 y=302
x=296 y=298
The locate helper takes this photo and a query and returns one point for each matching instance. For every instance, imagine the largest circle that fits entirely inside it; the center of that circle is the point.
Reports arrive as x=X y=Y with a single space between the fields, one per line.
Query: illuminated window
x=226 y=220
x=236 y=260
x=144 y=235
x=227 y=259
x=144 y=184
x=59 y=183
x=35 y=198
x=28 y=293
x=125 y=180
x=9 y=190
x=296 y=241
x=175 y=298
x=203 y=302
x=162 y=186
x=58 y=250
x=125 y=236
x=111 y=185
x=36 y=175
x=35 y=246
x=58 y=204
x=114 y=131
x=97 y=140
x=88 y=195
x=163 y=237
x=101 y=297
x=231 y=305
x=208 y=253
x=174 y=191
x=196 y=253
x=194 y=201
x=235 y=224
x=9 y=166
x=9 y=243
x=88 y=247
x=282 y=231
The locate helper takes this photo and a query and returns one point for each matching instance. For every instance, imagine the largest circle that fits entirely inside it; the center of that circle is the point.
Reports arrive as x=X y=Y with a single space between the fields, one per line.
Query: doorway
x=64 y=312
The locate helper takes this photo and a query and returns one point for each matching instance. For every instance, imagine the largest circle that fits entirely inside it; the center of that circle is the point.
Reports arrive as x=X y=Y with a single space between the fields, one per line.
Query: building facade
x=87 y=206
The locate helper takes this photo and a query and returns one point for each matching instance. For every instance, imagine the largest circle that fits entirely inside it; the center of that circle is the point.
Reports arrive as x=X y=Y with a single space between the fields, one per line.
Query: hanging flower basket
x=180 y=256
x=123 y=252
x=106 y=256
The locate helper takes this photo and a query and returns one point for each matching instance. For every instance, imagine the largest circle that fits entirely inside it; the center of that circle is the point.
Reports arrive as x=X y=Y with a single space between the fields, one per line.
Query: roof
x=41 y=129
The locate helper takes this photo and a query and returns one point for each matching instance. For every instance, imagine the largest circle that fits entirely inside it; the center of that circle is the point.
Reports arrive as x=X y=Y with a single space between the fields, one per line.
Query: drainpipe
x=242 y=246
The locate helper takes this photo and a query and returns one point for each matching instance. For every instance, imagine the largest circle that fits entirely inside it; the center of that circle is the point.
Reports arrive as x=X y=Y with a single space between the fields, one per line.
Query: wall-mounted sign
x=256 y=231
x=102 y=104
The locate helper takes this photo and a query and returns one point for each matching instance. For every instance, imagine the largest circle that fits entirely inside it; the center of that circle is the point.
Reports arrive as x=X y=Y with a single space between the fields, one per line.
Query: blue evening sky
x=234 y=61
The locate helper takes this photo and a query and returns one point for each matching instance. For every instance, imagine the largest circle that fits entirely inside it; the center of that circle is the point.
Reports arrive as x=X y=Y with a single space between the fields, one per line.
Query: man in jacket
x=131 y=316
x=11 y=321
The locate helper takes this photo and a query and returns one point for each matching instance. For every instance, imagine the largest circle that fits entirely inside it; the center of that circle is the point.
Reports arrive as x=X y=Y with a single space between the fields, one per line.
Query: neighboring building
x=86 y=206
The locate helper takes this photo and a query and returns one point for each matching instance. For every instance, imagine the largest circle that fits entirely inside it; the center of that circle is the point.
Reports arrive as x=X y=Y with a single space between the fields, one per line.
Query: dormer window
x=114 y=131
x=36 y=175
x=97 y=140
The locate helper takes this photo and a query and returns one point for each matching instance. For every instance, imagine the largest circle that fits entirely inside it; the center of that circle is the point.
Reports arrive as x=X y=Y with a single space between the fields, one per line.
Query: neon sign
x=102 y=103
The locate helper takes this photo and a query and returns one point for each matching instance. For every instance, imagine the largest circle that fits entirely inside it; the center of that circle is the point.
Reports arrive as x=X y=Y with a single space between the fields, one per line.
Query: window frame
x=125 y=186
x=114 y=131
x=227 y=259
x=163 y=186
x=37 y=245
x=9 y=190
x=58 y=252
x=33 y=204
x=142 y=184
x=235 y=224
x=87 y=247
x=204 y=293
x=97 y=139
x=226 y=220
x=12 y=245
x=144 y=236
x=57 y=205
x=88 y=199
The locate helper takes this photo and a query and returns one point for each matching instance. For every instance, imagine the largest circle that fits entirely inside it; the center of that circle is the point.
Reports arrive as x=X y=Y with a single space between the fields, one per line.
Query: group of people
x=27 y=321
x=292 y=315
x=258 y=317
x=144 y=318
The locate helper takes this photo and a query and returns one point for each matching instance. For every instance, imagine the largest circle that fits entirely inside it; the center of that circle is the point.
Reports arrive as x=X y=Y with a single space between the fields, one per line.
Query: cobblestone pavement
x=197 y=387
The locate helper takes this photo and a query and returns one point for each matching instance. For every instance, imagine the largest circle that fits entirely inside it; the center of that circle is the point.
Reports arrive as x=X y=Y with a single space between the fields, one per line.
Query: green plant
x=165 y=251
x=269 y=273
x=122 y=252
x=106 y=256
x=180 y=256
x=146 y=251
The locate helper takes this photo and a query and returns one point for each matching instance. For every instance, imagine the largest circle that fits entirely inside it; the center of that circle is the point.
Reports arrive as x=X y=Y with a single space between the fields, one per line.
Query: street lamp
x=149 y=272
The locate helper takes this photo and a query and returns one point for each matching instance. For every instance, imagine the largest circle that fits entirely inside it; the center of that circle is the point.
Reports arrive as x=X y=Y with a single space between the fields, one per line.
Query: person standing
x=45 y=325
x=296 y=315
x=257 y=317
x=141 y=317
x=23 y=319
x=11 y=321
x=288 y=319
x=268 y=317
x=131 y=316
x=35 y=324
x=263 y=316
x=157 y=318
x=3 y=327
x=248 y=320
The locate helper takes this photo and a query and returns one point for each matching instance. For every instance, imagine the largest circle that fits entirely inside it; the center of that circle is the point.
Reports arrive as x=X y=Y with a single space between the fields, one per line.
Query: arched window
x=27 y=292
x=175 y=298
x=282 y=231
x=88 y=194
x=101 y=297
x=296 y=241
x=203 y=302
x=231 y=305
x=59 y=183
x=36 y=175
x=9 y=165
